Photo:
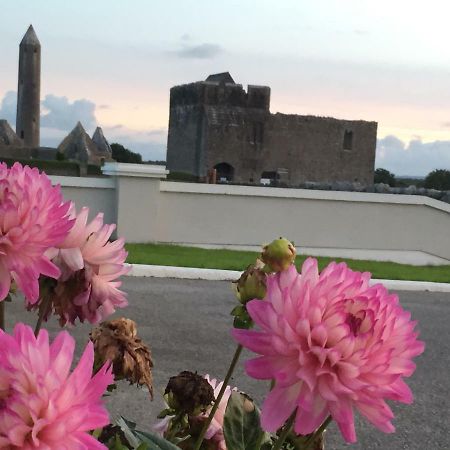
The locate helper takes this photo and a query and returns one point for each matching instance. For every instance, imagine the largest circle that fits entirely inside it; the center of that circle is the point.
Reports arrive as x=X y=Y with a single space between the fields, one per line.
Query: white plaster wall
x=238 y=215
x=410 y=229
x=96 y=193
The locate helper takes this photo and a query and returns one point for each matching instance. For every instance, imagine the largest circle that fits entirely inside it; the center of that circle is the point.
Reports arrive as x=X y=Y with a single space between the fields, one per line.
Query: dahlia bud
x=189 y=393
x=251 y=284
x=278 y=255
x=117 y=341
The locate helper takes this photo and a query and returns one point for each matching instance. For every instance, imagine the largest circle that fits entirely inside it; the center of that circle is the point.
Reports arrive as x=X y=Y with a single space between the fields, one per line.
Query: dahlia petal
x=261 y=312
x=278 y=406
x=378 y=413
x=73 y=258
x=61 y=352
x=343 y=415
x=287 y=277
x=307 y=421
x=255 y=341
x=268 y=367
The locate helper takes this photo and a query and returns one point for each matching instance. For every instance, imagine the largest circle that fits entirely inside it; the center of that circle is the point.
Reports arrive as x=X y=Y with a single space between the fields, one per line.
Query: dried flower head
x=189 y=392
x=117 y=341
x=278 y=255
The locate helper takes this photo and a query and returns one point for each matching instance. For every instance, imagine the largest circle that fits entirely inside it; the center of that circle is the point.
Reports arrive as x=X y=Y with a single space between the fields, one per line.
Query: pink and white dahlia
x=33 y=218
x=332 y=344
x=90 y=264
x=42 y=405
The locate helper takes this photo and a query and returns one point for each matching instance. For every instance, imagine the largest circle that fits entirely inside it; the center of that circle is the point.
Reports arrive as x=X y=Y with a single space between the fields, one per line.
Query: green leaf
x=118 y=444
x=155 y=441
x=143 y=446
x=241 y=425
x=137 y=438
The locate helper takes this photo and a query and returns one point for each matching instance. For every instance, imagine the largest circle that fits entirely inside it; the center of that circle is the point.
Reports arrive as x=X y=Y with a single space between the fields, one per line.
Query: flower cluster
x=42 y=406
x=332 y=343
x=33 y=218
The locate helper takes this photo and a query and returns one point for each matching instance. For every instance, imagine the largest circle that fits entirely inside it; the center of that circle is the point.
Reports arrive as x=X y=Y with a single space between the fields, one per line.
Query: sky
x=112 y=63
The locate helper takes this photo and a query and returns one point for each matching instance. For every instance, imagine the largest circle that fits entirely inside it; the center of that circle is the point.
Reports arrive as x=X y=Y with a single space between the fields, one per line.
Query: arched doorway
x=225 y=172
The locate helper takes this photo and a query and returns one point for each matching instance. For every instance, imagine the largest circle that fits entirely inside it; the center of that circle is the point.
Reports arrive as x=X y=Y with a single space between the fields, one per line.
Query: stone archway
x=225 y=172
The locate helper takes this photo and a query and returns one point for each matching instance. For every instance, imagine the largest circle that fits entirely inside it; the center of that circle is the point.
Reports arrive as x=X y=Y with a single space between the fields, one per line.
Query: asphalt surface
x=187 y=324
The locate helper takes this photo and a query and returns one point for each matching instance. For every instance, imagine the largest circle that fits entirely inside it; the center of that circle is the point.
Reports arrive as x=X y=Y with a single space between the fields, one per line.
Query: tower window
x=348 y=140
x=22 y=135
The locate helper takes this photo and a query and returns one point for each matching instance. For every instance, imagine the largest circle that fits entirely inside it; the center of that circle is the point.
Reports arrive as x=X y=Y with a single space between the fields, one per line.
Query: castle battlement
x=216 y=91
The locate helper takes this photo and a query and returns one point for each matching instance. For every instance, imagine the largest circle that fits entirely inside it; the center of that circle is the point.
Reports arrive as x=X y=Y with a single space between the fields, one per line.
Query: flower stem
x=310 y=442
x=43 y=311
x=234 y=361
x=286 y=430
x=2 y=315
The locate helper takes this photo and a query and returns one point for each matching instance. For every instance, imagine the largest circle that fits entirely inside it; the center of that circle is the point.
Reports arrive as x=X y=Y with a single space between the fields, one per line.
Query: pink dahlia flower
x=90 y=265
x=332 y=343
x=42 y=406
x=214 y=435
x=33 y=218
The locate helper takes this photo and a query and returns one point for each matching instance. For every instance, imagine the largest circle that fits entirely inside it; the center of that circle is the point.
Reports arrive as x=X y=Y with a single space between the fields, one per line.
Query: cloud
x=415 y=158
x=56 y=112
x=63 y=115
x=8 y=108
x=201 y=51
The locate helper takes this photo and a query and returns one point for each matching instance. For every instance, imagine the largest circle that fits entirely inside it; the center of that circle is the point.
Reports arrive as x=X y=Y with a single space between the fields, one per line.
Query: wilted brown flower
x=189 y=392
x=117 y=341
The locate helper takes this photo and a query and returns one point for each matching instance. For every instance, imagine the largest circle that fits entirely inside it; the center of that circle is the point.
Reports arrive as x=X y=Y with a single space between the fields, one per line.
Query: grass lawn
x=174 y=255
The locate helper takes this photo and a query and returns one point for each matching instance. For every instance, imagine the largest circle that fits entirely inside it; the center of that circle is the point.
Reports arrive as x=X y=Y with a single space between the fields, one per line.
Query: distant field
x=174 y=255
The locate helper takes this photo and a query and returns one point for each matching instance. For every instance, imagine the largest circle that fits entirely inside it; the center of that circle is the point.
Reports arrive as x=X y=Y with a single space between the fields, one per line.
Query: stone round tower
x=29 y=89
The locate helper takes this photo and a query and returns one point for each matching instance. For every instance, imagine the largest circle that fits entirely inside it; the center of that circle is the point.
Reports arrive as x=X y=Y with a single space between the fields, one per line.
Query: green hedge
x=53 y=167
x=181 y=176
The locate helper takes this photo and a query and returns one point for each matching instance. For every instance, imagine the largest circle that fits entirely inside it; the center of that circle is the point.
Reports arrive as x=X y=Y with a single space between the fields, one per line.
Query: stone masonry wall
x=215 y=123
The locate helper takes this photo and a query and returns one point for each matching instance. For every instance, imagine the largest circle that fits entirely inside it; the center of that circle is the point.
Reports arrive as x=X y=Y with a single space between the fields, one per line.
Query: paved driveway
x=187 y=325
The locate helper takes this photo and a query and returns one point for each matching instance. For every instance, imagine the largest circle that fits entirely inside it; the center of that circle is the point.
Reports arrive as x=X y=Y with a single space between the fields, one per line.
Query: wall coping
x=134 y=170
x=259 y=191
x=102 y=183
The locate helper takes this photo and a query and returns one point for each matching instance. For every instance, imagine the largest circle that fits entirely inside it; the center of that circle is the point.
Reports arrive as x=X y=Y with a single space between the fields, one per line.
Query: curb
x=191 y=273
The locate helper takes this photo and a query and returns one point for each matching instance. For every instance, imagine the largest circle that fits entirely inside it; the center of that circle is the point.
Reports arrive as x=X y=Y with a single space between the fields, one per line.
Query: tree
x=438 y=179
x=122 y=154
x=384 y=176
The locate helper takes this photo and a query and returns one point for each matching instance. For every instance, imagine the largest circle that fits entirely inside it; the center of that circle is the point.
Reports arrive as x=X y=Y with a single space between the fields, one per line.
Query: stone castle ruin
x=219 y=130
x=25 y=142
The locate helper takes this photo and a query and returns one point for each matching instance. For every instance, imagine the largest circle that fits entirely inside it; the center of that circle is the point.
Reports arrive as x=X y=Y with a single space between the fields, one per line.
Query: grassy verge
x=174 y=255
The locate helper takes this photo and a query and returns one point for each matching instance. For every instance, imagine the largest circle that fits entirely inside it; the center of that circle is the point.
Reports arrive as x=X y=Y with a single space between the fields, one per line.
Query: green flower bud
x=278 y=255
x=251 y=284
